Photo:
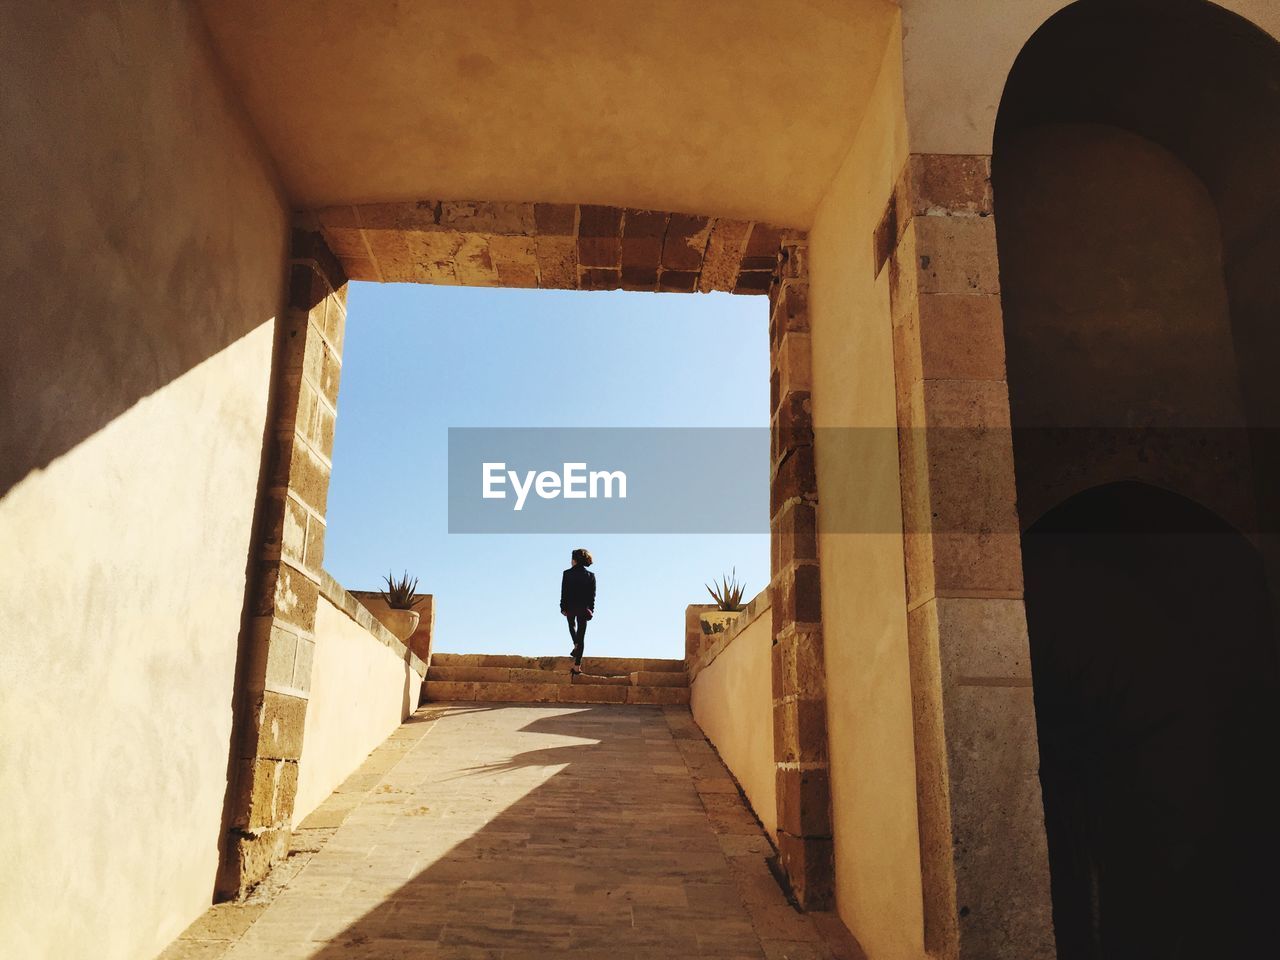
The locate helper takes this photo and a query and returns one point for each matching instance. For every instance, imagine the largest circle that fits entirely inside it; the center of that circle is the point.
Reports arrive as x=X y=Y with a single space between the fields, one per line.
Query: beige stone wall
x=143 y=261
x=873 y=782
x=363 y=685
x=953 y=110
x=729 y=699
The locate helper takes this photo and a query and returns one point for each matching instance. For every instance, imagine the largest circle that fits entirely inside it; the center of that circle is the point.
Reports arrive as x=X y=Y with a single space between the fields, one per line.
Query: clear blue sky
x=421 y=359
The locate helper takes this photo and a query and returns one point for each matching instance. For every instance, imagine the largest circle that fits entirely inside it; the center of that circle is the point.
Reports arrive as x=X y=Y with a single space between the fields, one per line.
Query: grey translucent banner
x=958 y=480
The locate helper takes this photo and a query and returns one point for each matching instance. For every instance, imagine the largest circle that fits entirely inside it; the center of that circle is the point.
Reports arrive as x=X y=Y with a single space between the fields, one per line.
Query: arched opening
x=1136 y=217
x=1155 y=684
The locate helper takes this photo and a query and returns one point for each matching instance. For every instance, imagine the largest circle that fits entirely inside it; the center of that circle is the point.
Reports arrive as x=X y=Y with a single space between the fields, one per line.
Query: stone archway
x=1135 y=214
x=1156 y=693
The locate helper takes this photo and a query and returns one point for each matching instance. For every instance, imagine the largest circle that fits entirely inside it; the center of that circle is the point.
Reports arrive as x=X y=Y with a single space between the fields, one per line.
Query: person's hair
x=582 y=556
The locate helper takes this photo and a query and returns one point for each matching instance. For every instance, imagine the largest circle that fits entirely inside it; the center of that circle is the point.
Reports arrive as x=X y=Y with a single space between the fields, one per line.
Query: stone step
x=575 y=692
x=640 y=678
x=657 y=678
x=606 y=666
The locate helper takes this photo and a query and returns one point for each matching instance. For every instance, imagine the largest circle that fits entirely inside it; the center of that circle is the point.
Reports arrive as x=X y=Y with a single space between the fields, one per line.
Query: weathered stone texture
x=983 y=862
x=549 y=245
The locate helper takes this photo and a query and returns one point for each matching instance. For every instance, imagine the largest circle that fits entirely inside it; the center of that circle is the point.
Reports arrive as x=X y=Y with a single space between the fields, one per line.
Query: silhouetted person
x=578 y=602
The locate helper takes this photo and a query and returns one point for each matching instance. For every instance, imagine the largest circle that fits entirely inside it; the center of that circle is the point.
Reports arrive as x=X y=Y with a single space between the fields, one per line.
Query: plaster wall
x=730 y=701
x=361 y=690
x=953 y=110
x=143 y=260
x=864 y=607
x=740 y=109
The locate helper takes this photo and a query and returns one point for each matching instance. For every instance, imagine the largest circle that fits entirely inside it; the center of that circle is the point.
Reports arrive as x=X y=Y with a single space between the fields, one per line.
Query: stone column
x=274 y=672
x=799 y=672
x=983 y=858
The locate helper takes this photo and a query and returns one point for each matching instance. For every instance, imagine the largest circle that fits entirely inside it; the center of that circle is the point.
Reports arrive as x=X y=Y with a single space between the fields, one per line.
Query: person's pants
x=578 y=631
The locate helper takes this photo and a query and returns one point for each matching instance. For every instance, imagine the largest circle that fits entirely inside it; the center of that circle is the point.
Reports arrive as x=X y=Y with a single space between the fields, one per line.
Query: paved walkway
x=514 y=832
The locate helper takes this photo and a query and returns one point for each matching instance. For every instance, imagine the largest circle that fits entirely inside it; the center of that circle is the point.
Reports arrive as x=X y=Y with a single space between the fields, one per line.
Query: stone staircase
x=513 y=679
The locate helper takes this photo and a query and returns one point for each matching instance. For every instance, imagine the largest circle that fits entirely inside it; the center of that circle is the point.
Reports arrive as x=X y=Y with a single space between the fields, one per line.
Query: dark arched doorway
x=1136 y=210
x=1156 y=690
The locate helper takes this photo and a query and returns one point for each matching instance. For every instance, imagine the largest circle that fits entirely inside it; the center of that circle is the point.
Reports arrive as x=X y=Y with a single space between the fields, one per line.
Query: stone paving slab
x=484 y=831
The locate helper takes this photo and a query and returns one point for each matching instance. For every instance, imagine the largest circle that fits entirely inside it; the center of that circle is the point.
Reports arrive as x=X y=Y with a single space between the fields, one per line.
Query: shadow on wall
x=123 y=276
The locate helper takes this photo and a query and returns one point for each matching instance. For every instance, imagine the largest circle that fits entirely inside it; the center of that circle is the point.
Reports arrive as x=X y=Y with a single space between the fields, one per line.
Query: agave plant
x=728 y=592
x=399 y=592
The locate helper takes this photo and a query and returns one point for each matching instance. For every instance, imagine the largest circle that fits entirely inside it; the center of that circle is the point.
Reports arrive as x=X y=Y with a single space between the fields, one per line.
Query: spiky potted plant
x=401 y=618
x=728 y=597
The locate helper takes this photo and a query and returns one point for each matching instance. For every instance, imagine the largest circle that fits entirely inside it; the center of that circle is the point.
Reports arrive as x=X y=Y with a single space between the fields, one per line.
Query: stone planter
x=401 y=623
x=424 y=605
x=718 y=621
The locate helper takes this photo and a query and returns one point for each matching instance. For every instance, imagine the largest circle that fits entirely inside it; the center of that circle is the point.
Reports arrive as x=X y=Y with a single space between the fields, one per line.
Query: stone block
x=981 y=638
x=474 y=262
x=793 y=479
x=642 y=233
x=685 y=243
x=811 y=731
x=396 y=217
x=804 y=663
x=723 y=258
x=302 y=665
x=574 y=693
x=447 y=671
x=293 y=530
x=557 y=262
x=961 y=337
x=324 y=425
x=795 y=528
x=345 y=242
x=516 y=219
x=809 y=863
x=308 y=477
x=762 y=249
x=658 y=678
x=252 y=855
x=957 y=255
x=997 y=821
x=793 y=359
x=520 y=675
x=786 y=739
x=313 y=557
x=797 y=597
x=792 y=425
x=677 y=281
x=556 y=219
x=788 y=312
x=330 y=374
x=428 y=256
x=281 y=652
x=644 y=279
x=804 y=801
x=971 y=493
x=950 y=184
x=450 y=690
x=281 y=719
x=657 y=695
x=596 y=278
x=515 y=260
x=753 y=282
x=295 y=598
x=904 y=275
x=600 y=236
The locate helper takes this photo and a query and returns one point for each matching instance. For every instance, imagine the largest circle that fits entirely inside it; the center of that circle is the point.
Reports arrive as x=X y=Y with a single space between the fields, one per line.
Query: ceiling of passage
x=738 y=108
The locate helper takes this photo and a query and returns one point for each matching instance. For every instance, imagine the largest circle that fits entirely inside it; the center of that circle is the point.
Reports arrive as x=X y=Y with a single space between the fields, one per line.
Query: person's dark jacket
x=577 y=590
